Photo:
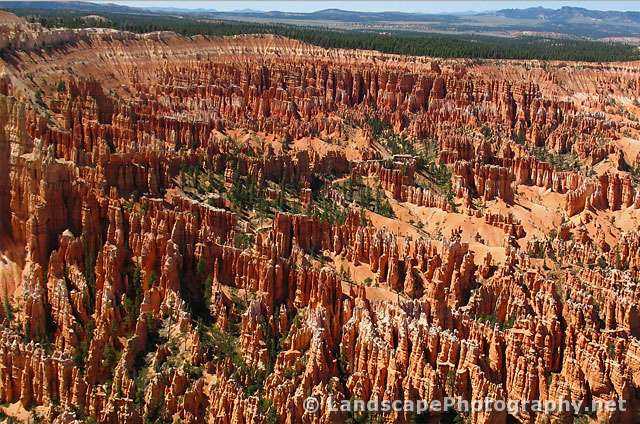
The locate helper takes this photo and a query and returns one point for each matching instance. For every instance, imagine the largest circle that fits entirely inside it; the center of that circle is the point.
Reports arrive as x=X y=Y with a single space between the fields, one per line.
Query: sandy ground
x=538 y=210
x=351 y=144
x=630 y=147
x=17 y=411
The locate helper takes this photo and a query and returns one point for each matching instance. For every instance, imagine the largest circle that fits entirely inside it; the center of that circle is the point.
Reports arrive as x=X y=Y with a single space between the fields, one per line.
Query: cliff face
x=213 y=230
x=5 y=187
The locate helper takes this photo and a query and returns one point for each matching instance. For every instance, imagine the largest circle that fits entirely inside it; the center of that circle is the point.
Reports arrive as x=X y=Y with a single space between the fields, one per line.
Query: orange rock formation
x=136 y=284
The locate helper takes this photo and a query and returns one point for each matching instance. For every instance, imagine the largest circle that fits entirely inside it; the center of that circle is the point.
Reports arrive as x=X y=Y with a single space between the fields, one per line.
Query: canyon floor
x=211 y=230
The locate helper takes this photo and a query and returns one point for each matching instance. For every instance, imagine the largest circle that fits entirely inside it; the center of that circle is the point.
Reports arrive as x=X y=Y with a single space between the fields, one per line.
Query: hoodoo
x=218 y=229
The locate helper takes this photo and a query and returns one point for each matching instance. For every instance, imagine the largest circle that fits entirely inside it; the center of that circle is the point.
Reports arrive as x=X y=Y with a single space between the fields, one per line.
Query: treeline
x=406 y=43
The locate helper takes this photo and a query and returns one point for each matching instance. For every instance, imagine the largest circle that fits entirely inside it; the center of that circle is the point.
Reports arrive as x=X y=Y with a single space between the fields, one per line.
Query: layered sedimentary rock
x=189 y=231
x=608 y=192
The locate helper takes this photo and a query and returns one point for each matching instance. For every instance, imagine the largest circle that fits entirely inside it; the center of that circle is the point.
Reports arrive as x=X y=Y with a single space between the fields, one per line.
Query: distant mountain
x=573 y=20
x=339 y=15
x=178 y=10
x=245 y=11
x=79 y=6
x=568 y=21
x=563 y=22
x=567 y=13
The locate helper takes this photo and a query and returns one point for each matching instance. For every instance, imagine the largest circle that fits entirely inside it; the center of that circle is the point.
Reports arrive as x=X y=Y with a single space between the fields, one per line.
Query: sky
x=459 y=6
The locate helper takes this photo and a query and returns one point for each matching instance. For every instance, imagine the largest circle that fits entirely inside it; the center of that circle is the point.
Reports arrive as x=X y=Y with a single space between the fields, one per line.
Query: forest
x=398 y=42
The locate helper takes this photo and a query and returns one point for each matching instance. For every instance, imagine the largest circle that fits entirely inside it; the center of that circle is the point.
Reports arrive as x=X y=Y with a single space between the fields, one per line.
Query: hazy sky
x=381 y=6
